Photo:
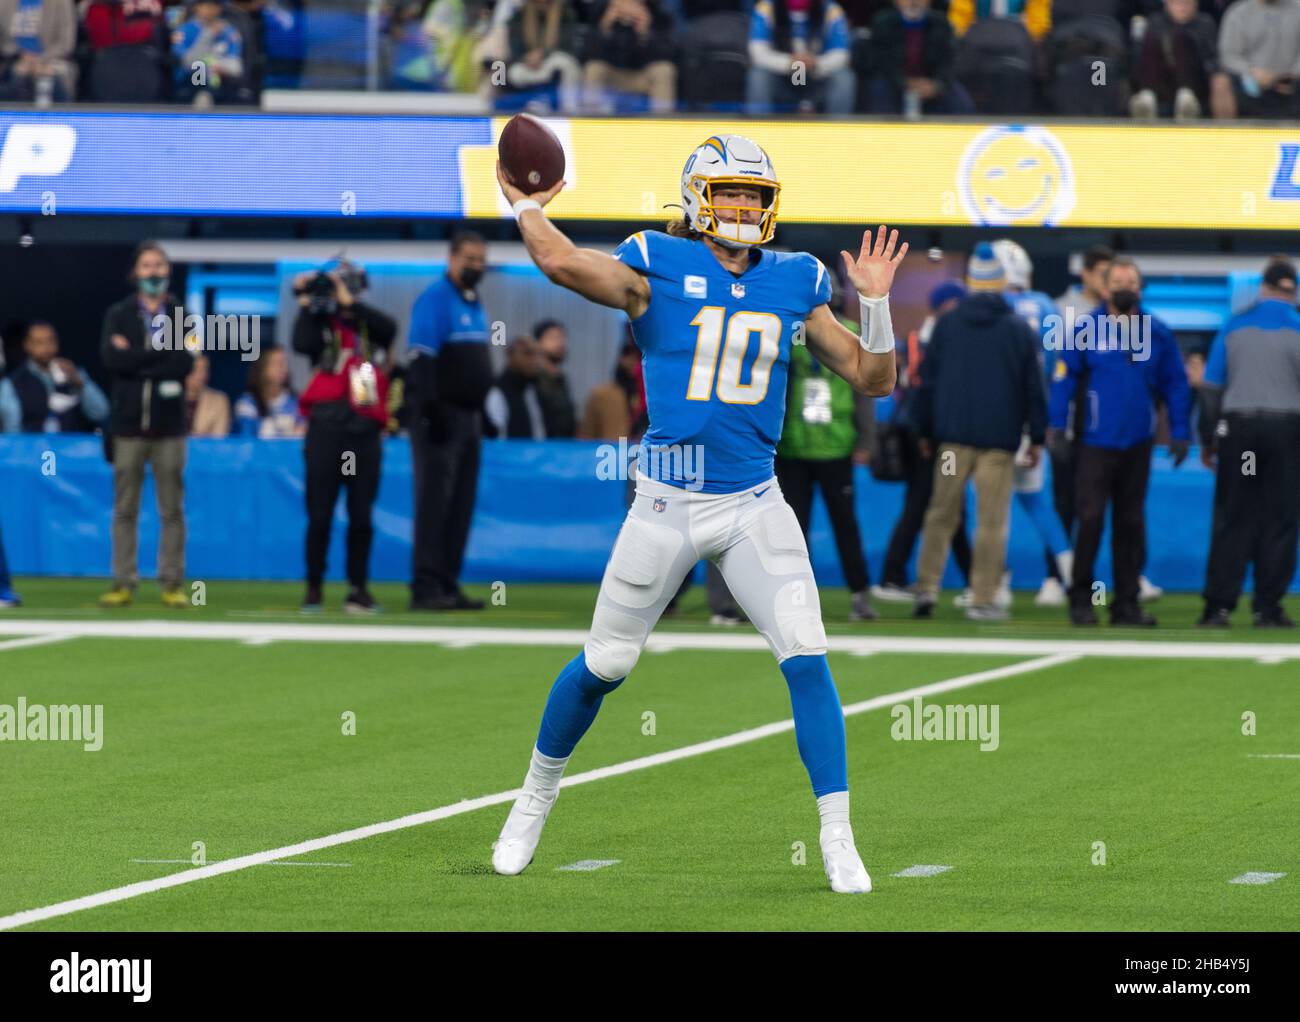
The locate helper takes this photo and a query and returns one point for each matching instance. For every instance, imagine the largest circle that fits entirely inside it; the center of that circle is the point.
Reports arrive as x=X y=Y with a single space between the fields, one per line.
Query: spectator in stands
x=36 y=41
x=247 y=19
x=1177 y=63
x=828 y=429
x=455 y=29
x=534 y=49
x=345 y=405
x=552 y=385
x=513 y=409
x=1259 y=47
x=912 y=51
x=207 y=411
x=49 y=394
x=617 y=409
x=799 y=56
x=630 y=50
x=269 y=408
x=447 y=379
x=1251 y=394
x=1126 y=357
x=918 y=461
x=1035 y=14
x=128 y=50
x=147 y=426
x=209 y=56
x=981 y=389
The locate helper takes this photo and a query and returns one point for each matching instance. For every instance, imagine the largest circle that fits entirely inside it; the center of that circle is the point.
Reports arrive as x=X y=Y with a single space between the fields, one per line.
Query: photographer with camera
x=345 y=405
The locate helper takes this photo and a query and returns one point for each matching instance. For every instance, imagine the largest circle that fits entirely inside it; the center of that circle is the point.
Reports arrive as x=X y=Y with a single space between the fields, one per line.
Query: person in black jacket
x=981 y=387
x=630 y=50
x=345 y=404
x=513 y=409
x=912 y=51
x=1178 y=61
x=148 y=361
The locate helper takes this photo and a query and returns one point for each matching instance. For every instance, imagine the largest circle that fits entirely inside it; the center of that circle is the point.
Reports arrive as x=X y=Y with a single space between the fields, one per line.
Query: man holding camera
x=345 y=405
x=447 y=379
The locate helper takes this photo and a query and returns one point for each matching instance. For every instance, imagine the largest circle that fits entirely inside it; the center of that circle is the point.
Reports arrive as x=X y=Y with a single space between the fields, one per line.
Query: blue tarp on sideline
x=543 y=514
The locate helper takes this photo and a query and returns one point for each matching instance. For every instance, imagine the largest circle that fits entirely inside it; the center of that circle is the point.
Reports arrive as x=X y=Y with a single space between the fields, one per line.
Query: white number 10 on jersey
x=709 y=340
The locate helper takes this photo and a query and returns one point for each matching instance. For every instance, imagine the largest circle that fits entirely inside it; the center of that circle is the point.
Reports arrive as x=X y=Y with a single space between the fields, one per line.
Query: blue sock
x=1046 y=521
x=571 y=707
x=818 y=722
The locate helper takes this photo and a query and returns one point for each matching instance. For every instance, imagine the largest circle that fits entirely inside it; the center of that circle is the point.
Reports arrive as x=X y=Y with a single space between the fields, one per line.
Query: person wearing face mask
x=147 y=422
x=448 y=378
x=1120 y=359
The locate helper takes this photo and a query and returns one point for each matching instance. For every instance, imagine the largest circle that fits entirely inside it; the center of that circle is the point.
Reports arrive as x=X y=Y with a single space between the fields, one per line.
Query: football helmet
x=1015 y=261
x=729 y=160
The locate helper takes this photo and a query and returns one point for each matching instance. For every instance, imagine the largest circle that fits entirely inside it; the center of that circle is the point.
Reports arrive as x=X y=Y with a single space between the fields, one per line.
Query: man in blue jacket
x=981 y=389
x=1117 y=360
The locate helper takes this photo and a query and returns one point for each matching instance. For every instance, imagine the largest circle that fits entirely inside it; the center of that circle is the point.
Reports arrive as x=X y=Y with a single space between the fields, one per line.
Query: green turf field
x=240 y=745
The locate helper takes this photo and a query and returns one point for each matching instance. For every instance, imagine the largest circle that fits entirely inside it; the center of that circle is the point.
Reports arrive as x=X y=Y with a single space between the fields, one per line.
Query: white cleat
x=1050 y=594
x=514 y=849
x=1148 y=590
x=844 y=867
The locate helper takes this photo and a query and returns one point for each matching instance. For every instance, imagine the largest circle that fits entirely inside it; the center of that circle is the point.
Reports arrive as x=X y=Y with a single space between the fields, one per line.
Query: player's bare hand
x=872 y=273
x=514 y=194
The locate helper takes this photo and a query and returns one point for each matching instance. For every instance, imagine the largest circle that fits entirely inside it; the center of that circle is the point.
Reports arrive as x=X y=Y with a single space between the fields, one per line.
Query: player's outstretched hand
x=514 y=194
x=872 y=273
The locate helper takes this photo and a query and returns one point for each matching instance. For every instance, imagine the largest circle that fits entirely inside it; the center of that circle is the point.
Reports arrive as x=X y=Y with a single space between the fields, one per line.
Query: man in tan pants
x=148 y=361
x=981 y=389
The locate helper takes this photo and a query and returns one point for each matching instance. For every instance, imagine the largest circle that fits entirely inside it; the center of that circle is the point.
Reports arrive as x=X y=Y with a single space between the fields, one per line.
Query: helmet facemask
x=733 y=232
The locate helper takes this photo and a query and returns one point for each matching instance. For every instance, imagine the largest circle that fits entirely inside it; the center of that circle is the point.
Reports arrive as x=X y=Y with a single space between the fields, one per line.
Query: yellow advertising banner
x=1057 y=175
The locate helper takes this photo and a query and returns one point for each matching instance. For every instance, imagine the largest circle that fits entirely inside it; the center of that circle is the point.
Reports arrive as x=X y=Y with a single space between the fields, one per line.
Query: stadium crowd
x=1183 y=59
x=998 y=380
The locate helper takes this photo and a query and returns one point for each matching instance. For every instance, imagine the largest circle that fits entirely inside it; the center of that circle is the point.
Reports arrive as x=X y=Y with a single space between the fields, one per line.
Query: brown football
x=530 y=153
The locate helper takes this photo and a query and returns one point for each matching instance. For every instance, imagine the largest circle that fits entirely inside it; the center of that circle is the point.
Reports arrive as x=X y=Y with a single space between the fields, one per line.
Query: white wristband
x=524 y=204
x=877 y=334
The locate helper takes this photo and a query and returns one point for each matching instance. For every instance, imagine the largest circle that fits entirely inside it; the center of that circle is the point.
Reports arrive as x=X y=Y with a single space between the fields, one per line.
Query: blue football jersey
x=715 y=349
x=1041 y=313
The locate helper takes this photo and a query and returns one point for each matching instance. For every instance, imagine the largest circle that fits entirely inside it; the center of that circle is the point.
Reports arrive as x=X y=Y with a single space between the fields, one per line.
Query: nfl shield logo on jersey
x=660 y=504
x=737 y=290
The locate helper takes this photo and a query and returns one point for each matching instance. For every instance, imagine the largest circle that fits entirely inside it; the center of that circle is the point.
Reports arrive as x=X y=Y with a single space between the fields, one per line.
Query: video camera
x=320 y=290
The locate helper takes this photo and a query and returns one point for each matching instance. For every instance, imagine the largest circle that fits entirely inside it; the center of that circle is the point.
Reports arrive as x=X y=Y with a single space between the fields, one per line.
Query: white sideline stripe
x=659 y=642
x=1273 y=755
x=1254 y=877
x=215 y=869
x=922 y=871
x=36 y=640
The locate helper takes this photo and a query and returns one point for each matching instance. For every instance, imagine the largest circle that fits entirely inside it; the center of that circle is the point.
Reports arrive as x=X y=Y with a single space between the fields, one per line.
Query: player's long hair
x=681 y=228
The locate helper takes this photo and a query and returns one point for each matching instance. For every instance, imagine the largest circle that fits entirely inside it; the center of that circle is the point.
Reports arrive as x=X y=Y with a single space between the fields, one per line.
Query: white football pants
x=754 y=538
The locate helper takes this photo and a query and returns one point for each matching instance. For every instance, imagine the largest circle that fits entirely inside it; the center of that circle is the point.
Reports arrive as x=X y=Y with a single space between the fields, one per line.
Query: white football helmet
x=1015 y=261
x=730 y=160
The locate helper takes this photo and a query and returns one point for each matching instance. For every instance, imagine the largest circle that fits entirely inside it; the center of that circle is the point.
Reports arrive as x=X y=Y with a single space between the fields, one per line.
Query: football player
x=1039 y=311
x=714 y=314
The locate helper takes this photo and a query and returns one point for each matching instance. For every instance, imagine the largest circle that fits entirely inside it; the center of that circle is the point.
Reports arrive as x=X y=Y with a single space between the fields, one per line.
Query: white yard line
x=34 y=640
x=459 y=637
x=216 y=869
